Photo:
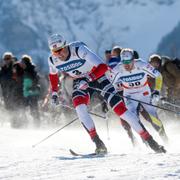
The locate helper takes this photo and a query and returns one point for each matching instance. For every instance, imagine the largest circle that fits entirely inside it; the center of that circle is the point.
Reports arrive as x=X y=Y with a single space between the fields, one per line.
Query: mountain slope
x=170 y=44
x=100 y=24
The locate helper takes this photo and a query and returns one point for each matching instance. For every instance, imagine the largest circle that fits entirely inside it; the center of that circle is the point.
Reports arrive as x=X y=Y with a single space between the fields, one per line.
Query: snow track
x=52 y=160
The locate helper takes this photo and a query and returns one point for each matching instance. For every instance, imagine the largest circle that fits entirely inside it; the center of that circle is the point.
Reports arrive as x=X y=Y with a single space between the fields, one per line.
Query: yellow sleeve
x=158 y=83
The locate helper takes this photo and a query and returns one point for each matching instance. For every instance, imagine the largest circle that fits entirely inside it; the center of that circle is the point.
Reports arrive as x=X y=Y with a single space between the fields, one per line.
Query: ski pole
x=116 y=94
x=171 y=104
x=107 y=127
x=98 y=115
x=54 y=132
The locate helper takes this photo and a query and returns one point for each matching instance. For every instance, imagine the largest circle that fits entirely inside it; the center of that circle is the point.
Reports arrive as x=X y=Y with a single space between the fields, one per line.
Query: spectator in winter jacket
x=171 y=75
x=31 y=87
x=17 y=91
x=18 y=118
x=6 y=80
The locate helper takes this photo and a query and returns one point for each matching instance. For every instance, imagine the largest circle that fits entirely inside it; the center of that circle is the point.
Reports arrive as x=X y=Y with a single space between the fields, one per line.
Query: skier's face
x=8 y=60
x=129 y=66
x=62 y=53
x=155 y=64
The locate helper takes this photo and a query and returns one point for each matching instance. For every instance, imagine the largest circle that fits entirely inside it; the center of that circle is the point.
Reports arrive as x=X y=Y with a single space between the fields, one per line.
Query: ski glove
x=83 y=85
x=155 y=97
x=54 y=99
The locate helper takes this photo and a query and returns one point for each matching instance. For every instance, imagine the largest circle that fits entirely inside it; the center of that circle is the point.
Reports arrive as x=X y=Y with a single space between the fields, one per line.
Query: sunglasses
x=126 y=61
x=57 y=52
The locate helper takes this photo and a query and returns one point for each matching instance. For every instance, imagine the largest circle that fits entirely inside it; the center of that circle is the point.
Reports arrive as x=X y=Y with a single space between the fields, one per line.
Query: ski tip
x=73 y=153
x=87 y=155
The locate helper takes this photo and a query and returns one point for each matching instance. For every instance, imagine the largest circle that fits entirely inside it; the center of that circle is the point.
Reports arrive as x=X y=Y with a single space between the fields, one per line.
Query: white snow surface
x=52 y=160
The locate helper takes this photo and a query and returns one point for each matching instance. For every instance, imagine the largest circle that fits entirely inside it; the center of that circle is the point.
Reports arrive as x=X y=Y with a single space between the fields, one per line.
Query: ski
x=85 y=155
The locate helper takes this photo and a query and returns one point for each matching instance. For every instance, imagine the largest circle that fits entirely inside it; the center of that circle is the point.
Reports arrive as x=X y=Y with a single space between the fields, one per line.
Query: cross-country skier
x=113 y=63
x=132 y=76
x=88 y=71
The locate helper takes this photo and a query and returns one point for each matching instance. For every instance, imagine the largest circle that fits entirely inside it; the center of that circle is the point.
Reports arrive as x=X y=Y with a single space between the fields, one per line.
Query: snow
x=51 y=159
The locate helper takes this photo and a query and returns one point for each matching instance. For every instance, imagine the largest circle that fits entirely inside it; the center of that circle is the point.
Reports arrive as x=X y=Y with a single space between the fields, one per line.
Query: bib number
x=134 y=84
x=77 y=72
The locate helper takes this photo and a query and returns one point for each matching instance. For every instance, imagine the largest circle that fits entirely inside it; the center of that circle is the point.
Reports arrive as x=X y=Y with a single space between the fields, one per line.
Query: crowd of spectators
x=21 y=85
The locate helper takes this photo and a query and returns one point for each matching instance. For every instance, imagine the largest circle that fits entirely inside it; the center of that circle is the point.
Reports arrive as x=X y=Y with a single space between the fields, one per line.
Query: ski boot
x=100 y=146
x=155 y=146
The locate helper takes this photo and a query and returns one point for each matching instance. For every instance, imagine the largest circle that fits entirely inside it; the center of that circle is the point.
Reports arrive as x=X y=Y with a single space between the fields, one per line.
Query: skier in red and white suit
x=88 y=72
